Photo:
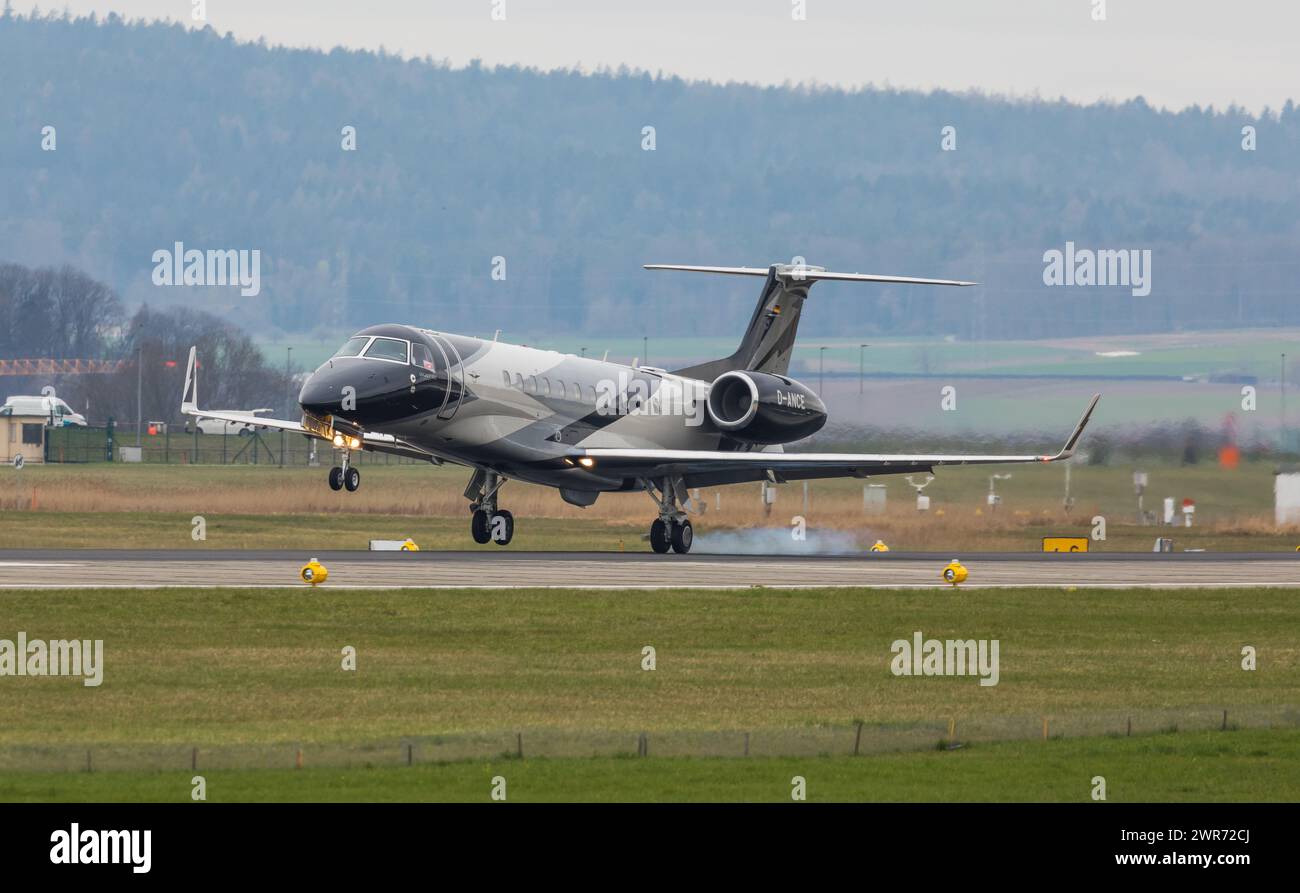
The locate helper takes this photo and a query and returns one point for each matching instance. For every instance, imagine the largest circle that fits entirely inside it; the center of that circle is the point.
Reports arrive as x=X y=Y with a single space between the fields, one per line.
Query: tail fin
x=769 y=338
x=190 y=396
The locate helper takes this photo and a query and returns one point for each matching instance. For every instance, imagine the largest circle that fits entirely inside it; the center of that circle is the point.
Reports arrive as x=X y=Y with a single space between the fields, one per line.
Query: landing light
x=338 y=440
x=354 y=443
x=587 y=462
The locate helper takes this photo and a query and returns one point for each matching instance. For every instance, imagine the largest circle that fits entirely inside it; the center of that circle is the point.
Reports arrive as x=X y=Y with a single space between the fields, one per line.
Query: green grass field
x=252 y=677
x=1241 y=766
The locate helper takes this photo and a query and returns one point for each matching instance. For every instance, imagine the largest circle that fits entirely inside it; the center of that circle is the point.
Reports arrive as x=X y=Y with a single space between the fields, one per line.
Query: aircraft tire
x=659 y=536
x=683 y=535
x=480 y=528
x=510 y=528
x=352 y=479
x=336 y=478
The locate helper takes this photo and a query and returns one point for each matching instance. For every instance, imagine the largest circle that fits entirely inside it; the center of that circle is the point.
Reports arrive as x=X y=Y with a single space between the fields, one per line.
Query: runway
x=43 y=569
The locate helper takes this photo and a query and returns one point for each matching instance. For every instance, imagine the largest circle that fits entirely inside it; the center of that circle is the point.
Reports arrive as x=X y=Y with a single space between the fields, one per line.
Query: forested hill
x=169 y=135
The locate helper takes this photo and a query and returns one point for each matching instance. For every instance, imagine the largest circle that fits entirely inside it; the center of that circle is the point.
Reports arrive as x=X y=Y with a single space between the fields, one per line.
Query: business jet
x=586 y=426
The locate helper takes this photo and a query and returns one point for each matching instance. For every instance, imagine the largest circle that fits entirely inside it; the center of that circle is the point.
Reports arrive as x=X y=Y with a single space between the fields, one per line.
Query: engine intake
x=759 y=407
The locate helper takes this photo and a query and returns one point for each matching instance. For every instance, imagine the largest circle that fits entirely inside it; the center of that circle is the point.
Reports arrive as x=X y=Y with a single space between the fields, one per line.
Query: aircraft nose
x=321 y=394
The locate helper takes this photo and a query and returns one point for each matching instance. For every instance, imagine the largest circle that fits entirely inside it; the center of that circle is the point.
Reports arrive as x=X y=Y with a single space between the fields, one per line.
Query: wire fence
x=860 y=739
x=161 y=445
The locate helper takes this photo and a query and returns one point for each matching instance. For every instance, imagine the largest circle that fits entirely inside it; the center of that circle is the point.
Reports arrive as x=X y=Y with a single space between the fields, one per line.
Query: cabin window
x=352 y=347
x=546 y=386
x=421 y=356
x=519 y=381
x=530 y=386
x=391 y=349
x=505 y=377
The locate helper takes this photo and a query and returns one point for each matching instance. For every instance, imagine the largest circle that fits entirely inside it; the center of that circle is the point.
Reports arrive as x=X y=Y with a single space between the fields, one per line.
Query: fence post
x=1225 y=721
x=194 y=760
x=747 y=744
x=643 y=746
x=410 y=756
x=857 y=740
x=519 y=745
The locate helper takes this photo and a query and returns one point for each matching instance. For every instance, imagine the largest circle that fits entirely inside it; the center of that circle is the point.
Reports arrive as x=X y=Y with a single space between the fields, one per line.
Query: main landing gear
x=672 y=529
x=488 y=523
x=345 y=475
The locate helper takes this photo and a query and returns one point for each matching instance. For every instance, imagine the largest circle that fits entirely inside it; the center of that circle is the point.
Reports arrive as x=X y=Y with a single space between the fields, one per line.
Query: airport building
x=22 y=435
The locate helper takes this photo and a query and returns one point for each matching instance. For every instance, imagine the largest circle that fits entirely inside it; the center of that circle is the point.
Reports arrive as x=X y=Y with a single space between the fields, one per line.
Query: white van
x=56 y=412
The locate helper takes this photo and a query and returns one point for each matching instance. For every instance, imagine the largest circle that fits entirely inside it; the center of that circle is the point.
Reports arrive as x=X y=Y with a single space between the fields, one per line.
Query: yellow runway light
x=879 y=546
x=955 y=572
x=313 y=572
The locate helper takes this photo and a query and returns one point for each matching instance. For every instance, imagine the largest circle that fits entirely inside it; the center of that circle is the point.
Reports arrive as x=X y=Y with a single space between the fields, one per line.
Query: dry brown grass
x=1235 y=512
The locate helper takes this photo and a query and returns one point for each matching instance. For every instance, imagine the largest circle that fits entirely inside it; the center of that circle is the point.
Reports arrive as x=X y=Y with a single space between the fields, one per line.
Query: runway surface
x=23 y=569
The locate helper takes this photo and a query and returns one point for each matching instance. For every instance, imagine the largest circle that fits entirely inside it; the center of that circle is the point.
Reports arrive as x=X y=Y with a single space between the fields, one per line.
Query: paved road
x=486 y=568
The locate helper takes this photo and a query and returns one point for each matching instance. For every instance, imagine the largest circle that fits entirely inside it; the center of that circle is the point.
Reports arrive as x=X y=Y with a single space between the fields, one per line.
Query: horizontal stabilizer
x=798 y=273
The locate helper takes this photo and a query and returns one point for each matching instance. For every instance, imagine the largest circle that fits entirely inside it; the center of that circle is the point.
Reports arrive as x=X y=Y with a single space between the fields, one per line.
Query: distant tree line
x=55 y=313
x=166 y=134
x=64 y=314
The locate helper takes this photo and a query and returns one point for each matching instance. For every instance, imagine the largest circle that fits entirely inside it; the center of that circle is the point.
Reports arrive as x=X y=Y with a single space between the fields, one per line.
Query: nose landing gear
x=672 y=529
x=345 y=475
x=487 y=523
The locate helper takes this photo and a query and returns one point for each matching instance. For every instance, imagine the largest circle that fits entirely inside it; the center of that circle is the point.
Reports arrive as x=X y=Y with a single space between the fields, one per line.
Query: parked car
x=57 y=413
x=217 y=426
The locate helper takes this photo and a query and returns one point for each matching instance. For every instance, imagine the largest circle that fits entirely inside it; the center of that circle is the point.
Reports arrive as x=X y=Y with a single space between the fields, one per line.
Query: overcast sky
x=1173 y=52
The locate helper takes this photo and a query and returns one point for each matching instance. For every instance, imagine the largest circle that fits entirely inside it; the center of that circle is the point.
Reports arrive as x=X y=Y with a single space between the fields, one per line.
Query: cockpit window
x=421 y=356
x=389 y=349
x=352 y=347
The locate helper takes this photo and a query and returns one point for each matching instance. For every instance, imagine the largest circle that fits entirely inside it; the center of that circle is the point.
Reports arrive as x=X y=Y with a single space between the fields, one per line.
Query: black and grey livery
x=587 y=426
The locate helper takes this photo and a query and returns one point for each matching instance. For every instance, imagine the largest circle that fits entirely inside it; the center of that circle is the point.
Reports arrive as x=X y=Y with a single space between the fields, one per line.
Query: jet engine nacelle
x=760 y=407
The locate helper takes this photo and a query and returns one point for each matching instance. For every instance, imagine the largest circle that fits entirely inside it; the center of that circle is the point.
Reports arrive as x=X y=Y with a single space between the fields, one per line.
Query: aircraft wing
x=653 y=463
x=369 y=440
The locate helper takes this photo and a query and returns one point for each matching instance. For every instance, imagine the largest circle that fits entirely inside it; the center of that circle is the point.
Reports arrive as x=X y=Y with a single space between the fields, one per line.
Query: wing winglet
x=1068 y=450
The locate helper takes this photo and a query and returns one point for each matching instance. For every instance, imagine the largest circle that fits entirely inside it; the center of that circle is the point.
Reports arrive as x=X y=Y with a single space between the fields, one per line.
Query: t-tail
x=769 y=339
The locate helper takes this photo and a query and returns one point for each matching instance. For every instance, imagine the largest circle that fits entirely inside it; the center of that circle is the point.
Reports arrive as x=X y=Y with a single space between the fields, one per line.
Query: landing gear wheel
x=509 y=529
x=336 y=478
x=352 y=479
x=683 y=536
x=659 y=536
x=479 y=527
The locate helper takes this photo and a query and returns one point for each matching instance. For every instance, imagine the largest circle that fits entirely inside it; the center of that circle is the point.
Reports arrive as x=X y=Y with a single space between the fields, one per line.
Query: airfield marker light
x=313 y=573
x=955 y=573
x=879 y=546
